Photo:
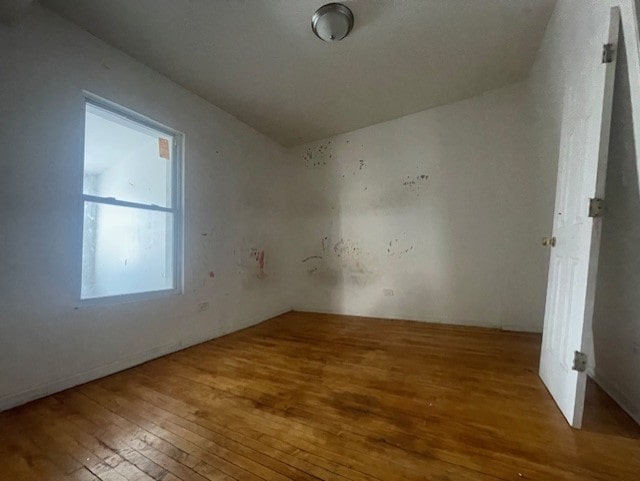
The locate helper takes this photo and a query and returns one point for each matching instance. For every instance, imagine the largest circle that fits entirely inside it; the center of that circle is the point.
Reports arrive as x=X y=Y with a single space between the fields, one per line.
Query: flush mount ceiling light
x=332 y=22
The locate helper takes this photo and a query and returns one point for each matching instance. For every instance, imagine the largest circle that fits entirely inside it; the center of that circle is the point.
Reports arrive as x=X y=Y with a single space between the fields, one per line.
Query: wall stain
x=338 y=247
x=260 y=260
x=258 y=255
x=396 y=249
x=198 y=265
x=341 y=263
x=361 y=164
x=413 y=181
x=318 y=156
x=342 y=249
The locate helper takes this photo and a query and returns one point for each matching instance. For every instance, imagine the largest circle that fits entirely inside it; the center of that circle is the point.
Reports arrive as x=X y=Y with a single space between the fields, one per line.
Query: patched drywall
x=234 y=202
x=435 y=216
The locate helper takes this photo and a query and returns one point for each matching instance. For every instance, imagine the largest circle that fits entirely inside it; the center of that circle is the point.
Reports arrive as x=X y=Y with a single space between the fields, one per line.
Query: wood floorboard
x=321 y=397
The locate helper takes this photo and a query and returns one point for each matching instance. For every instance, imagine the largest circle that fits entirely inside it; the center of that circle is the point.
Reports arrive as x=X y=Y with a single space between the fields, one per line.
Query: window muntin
x=130 y=195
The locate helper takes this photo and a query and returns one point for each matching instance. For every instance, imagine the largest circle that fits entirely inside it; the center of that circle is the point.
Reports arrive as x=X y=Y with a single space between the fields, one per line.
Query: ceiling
x=259 y=60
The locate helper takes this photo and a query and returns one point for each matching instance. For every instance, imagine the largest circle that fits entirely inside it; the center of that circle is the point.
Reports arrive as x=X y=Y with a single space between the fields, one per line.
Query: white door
x=584 y=143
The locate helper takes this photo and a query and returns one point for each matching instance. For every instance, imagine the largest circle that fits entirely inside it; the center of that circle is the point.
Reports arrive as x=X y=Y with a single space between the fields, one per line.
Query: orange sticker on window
x=163 y=148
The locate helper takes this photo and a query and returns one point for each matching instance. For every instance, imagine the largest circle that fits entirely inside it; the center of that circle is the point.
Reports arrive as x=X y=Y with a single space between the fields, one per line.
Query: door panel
x=584 y=141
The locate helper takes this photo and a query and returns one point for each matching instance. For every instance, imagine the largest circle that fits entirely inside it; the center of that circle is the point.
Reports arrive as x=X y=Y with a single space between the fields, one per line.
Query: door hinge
x=579 y=361
x=607 y=53
x=596 y=207
x=549 y=241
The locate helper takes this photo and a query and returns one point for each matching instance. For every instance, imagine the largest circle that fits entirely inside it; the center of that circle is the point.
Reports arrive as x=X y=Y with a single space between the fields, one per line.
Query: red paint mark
x=211 y=274
x=259 y=257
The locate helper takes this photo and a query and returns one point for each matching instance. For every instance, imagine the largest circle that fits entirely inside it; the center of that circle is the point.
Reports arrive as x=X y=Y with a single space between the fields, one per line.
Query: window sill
x=126 y=298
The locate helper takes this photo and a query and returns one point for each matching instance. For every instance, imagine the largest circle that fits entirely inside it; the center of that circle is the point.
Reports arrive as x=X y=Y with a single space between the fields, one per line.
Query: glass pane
x=125 y=159
x=126 y=250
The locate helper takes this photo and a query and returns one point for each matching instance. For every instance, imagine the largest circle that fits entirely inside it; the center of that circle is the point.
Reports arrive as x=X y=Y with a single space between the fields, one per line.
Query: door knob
x=549 y=241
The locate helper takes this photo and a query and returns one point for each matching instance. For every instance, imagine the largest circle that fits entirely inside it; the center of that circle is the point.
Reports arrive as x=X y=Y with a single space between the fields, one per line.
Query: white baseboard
x=400 y=317
x=631 y=408
x=434 y=320
x=16 y=399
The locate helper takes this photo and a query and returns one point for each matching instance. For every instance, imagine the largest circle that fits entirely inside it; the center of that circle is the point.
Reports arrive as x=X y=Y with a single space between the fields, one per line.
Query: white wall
x=435 y=216
x=234 y=204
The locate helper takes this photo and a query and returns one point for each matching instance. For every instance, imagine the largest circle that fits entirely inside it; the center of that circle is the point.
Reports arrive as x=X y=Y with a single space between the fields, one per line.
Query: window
x=131 y=198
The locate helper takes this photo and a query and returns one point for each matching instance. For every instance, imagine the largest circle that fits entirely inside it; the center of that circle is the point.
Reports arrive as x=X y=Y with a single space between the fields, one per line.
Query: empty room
x=297 y=240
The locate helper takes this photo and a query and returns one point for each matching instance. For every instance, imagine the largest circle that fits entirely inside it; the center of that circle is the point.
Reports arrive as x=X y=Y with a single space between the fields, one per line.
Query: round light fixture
x=332 y=22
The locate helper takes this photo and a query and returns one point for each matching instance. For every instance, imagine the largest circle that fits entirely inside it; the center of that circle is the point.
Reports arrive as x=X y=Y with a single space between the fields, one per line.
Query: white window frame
x=177 y=202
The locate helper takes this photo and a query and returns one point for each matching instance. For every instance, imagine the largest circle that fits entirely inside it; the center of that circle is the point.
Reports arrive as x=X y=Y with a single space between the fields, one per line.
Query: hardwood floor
x=309 y=397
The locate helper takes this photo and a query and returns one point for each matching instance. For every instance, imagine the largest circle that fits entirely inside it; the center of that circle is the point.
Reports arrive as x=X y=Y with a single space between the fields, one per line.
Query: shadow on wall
x=385 y=213
x=602 y=415
x=324 y=260
x=616 y=322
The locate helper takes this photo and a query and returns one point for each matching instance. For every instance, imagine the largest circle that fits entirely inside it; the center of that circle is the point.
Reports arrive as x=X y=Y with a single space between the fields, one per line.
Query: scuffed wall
x=235 y=265
x=435 y=216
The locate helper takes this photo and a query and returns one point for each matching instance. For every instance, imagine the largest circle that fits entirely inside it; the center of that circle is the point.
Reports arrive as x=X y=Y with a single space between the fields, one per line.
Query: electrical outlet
x=387 y=292
x=203 y=306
